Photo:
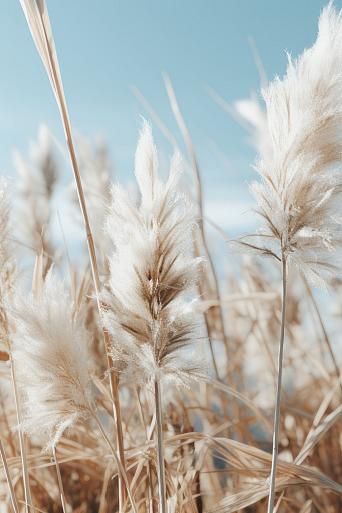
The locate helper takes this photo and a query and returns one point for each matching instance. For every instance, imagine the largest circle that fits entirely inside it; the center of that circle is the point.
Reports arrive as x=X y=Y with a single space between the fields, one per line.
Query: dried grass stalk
x=151 y=270
x=39 y=25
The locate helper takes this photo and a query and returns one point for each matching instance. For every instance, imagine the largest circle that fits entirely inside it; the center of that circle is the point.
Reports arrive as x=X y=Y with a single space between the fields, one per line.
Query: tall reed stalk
x=278 y=389
x=151 y=269
x=186 y=452
x=38 y=20
x=59 y=481
x=200 y=202
x=8 y=478
x=160 y=447
x=300 y=147
x=121 y=469
x=22 y=445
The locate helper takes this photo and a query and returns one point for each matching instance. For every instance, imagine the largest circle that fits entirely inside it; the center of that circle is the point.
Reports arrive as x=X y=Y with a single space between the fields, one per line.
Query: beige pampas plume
x=7 y=278
x=7 y=264
x=4 y=226
x=96 y=170
x=6 y=259
x=96 y=167
x=53 y=367
x=300 y=154
x=51 y=358
x=253 y=117
x=300 y=145
x=151 y=270
x=37 y=178
x=7 y=269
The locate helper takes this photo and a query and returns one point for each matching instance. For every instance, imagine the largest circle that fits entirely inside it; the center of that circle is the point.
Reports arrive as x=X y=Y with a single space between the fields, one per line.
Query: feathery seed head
x=152 y=269
x=4 y=229
x=37 y=177
x=7 y=264
x=95 y=168
x=51 y=359
x=300 y=148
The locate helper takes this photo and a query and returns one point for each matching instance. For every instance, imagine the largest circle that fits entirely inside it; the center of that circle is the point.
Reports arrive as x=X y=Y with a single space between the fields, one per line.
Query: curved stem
x=22 y=446
x=149 y=470
x=324 y=333
x=160 y=448
x=59 y=481
x=121 y=469
x=278 y=392
x=8 y=478
x=199 y=194
x=50 y=62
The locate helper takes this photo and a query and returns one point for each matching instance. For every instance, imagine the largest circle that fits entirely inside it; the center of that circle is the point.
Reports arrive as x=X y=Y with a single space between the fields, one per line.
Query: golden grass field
x=137 y=376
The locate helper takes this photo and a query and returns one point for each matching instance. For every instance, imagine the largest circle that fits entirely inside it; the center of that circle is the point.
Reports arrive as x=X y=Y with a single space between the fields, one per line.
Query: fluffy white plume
x=151 y=270
x=7 y=265
x=37 y=179
x=51 y=359
x=301 y=153
x=254 y=117
x=95 y=168
x=5 y=252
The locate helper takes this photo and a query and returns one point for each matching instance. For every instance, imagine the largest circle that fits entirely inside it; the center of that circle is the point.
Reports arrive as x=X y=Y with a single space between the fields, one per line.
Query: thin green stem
x=278 y=392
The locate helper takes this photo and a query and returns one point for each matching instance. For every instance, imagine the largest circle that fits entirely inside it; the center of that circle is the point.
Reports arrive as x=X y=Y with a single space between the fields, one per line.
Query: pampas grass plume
x=151 y=272
x=52 y=361
x=300 y=148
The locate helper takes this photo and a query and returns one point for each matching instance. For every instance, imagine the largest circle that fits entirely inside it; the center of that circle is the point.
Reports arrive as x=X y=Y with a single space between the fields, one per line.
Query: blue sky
x=106 y=47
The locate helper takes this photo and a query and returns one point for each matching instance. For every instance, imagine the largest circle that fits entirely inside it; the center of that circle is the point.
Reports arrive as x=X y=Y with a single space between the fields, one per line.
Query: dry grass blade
x=8 y=478
x=235 y=393
x=39 y=24
x=156 y=119
x=181 y=441
x=324 y=332
x=316 y=435
x=289 y=474
x=199 y=196
x=60 y=482
x=306 y=507
x=22 y=443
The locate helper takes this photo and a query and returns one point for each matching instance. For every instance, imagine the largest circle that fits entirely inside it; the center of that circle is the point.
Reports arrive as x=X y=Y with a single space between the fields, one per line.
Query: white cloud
x=233 y=215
